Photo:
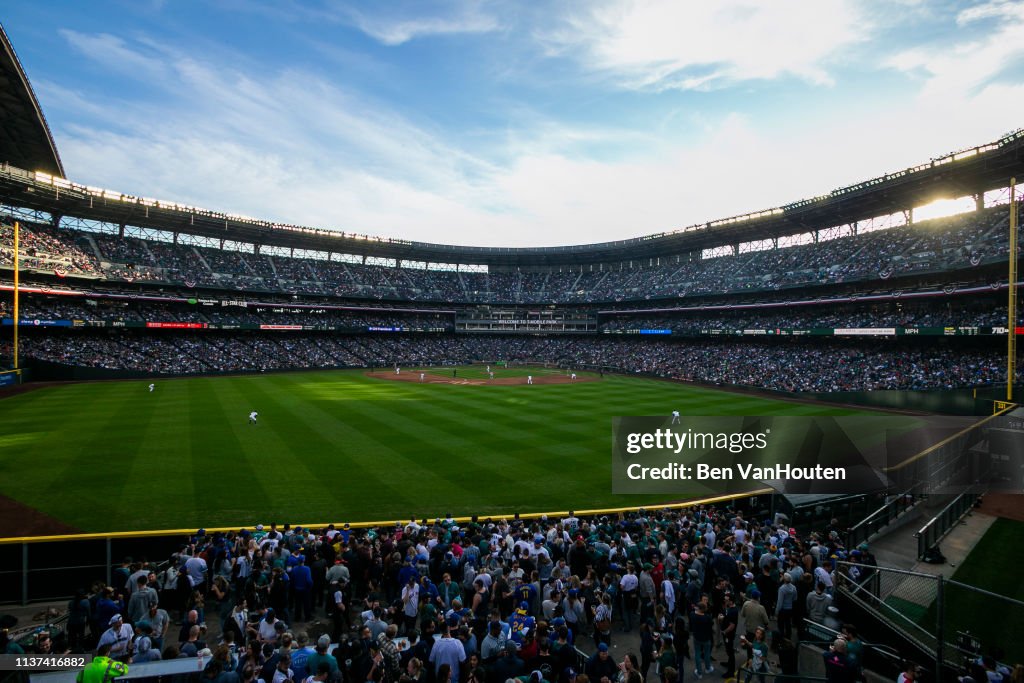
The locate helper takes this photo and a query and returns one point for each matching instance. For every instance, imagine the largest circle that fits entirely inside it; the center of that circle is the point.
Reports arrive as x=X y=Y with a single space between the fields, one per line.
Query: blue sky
x=512 y=123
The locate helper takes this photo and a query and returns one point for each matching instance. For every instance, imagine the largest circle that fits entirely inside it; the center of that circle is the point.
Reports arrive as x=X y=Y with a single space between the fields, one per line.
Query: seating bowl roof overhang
x=25 y=139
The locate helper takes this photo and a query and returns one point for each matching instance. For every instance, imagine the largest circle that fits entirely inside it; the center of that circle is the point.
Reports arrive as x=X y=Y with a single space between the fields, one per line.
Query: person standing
x=784 y=605
x=410 y=603
x=647 y=591
x=701 y=626
x=302 y=590
x=628 y=585
x=728 y=622
x=448 y=652
x=754 y=614
x=119 y=637
x=603 y=621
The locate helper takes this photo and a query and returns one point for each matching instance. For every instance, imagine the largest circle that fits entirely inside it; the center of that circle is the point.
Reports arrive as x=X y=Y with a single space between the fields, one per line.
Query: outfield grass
x=988 y=566
x=329 y=446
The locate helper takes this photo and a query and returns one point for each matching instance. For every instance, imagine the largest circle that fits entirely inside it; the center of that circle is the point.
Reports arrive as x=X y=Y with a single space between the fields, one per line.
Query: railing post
x=24 y=573
x=940 y=626
x=109 y=561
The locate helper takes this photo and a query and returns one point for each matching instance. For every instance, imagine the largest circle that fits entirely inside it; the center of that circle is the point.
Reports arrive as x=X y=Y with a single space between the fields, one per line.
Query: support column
x=24 y=574
x=1011 y=332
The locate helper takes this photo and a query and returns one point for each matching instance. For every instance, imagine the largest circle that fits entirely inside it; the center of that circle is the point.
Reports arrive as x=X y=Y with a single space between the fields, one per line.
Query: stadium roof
x=968 y=172
x=25 y=139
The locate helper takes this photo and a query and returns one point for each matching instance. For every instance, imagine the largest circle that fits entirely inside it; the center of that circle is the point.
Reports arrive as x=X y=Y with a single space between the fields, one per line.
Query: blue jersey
x=526 y=593
x=519 y=623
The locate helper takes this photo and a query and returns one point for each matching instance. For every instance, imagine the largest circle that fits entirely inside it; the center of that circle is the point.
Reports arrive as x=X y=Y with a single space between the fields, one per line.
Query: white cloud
x=395 y=30
x=1000 y=9
x=666 y=44
x=954 y=71
x=114 y=54
x=283 y=144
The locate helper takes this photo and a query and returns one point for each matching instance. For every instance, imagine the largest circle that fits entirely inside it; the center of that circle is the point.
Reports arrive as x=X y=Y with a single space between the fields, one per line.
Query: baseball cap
x=114 y=619
x=524 y=605
x=603 y=647
x=748 y=576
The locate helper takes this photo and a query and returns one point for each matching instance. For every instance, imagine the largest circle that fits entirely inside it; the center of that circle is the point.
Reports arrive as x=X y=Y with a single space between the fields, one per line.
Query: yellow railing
x=383 y=523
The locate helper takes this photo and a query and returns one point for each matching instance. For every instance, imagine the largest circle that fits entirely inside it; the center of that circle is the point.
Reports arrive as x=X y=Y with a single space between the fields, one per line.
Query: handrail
x=864 y=529
x=941 y=524
x=885 y=650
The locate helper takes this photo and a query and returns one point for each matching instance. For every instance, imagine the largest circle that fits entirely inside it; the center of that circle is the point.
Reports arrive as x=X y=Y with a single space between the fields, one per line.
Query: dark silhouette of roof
x=25 y=139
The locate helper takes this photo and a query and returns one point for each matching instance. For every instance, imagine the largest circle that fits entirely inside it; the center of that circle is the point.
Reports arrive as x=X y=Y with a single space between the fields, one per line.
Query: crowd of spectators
x=708 y=589
x=784 y=364
x=483 y=601
x=42 y=248
x=969 y=313
x=979 y=314
x=949 y=244
x=65 y=308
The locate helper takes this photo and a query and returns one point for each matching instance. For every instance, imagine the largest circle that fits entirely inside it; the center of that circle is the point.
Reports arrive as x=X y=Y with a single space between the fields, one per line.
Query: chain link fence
x=952 y=621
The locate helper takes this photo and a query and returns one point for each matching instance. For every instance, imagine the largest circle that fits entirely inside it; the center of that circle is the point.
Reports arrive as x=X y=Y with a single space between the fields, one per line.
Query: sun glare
x=941 y=208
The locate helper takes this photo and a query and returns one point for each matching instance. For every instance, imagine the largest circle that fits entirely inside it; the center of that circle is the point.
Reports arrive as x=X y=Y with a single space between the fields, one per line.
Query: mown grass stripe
x=330 y=445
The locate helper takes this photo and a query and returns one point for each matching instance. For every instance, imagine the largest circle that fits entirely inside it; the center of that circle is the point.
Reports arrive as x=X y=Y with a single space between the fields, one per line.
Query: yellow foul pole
x=17 y=230
x=1011 y=337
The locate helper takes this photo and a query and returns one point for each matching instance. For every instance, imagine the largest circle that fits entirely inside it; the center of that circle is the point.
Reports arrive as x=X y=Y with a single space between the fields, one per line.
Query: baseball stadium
x=238 y=448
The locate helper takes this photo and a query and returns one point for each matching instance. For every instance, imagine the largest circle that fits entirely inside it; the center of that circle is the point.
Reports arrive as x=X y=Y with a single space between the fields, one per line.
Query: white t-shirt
x=267 y=631
x=822 y=576
x=411 y=600
x=195 y=567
